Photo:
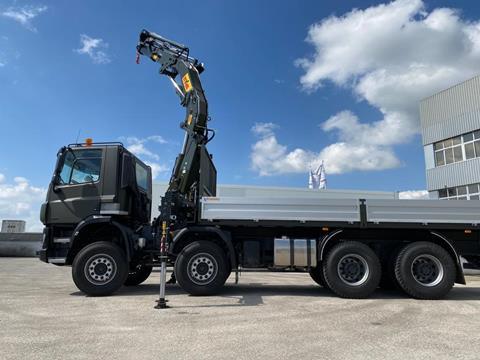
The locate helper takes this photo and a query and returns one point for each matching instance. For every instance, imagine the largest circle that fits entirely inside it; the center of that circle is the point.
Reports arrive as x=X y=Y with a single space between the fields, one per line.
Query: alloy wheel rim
x=427 y=270
x=353 y=269
x=100 y=269
x=202 y=269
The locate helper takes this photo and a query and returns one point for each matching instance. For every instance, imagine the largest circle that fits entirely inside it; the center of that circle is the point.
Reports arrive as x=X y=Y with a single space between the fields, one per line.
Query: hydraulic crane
x=194 y=174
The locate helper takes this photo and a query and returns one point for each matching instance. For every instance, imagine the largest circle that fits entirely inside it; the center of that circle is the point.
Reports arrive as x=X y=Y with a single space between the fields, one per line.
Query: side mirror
x=55 y=182
x=58 y=167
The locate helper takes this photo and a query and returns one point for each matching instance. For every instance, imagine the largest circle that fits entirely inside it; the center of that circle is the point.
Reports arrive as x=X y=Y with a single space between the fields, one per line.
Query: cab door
x=78 y=189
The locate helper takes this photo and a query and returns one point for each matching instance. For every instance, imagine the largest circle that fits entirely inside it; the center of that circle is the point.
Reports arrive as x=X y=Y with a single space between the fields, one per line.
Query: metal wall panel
x=429 y=156
x=452 y=112
x=461 y=173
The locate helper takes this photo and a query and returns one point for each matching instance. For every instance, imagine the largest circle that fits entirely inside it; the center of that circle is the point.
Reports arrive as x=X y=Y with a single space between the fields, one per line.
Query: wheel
x=100 y=268
x=352 y=270
x=201 y=268
x=316 y=274
x=138 y=275
x=425 y=270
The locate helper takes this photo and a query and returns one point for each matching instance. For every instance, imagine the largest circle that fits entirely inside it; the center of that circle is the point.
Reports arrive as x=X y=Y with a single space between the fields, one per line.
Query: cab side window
x=81 y=166
x=142 y=176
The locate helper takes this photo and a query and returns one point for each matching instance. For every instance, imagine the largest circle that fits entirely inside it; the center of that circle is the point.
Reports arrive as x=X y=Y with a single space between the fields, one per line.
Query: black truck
x=98 y=208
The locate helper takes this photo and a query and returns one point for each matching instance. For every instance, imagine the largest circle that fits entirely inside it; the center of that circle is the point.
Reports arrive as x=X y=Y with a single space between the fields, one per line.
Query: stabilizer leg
x=162 y=302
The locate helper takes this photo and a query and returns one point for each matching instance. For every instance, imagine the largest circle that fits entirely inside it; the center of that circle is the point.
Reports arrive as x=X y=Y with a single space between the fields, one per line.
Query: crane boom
x=194 y=174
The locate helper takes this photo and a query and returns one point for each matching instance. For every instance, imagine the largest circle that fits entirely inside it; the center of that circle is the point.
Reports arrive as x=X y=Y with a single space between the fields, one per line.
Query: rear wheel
x=425 y=270
x=352 y=270
x=138 y=275
x=201 y=268
x=100 y=268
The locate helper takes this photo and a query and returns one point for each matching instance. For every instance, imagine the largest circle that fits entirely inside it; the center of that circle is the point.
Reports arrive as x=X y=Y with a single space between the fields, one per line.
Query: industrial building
x=13 y=226
x=450 y=122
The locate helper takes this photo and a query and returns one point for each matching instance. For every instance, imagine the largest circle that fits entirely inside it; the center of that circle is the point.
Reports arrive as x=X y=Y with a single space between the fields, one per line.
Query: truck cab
x=96 y=189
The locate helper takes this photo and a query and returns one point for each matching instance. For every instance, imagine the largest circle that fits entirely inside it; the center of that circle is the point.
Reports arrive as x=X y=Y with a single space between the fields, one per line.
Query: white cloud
x=94 y=48
x=269 y=157
x=20 y=200
x=391 y=56
x=138 y=146
x=139 y=149
x=25 y=15
x=157 y=138
x=413 y=194
x=157 y=168
x=5 y=58
x=264 y=129
x=3 y=62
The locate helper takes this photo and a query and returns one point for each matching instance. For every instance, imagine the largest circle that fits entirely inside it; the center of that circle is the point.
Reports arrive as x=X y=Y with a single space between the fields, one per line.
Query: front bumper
x=52 y=252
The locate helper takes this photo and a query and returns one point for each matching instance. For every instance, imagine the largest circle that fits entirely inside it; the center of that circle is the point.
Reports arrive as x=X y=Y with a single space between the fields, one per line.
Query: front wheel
x=201 y=268
x=99 y=268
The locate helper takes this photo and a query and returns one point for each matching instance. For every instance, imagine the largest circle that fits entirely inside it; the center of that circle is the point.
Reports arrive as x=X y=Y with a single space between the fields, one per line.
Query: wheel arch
x=104 y=228
x=190 y=234
x=443 y=241
x=326 y=242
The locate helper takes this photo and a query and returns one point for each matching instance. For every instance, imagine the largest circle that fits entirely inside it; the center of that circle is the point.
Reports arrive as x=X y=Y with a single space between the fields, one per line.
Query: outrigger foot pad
x=161 y=304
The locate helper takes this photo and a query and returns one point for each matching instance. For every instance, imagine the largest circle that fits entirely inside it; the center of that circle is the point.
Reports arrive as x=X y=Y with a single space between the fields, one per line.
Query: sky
x=289 y=84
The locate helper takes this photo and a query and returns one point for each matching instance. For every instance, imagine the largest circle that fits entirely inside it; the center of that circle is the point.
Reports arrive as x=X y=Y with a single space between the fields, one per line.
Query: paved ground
x=268 y=315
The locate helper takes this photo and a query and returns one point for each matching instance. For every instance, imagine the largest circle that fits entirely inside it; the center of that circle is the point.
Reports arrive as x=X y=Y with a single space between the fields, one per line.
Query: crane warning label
x=187 y=85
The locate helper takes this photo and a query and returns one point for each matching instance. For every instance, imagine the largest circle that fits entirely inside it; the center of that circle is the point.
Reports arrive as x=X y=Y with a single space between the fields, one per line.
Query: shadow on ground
x=251 y=294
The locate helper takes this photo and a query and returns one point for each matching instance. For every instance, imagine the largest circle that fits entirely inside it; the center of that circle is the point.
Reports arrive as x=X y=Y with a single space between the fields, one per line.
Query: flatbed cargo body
x=351 y=211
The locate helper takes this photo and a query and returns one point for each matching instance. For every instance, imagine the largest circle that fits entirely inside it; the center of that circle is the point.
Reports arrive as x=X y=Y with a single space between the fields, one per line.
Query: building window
x=457 y=149
x=466 y=192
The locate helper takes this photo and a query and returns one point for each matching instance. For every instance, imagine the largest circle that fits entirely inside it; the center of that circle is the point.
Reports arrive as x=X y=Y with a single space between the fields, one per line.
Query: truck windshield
x=81 y=166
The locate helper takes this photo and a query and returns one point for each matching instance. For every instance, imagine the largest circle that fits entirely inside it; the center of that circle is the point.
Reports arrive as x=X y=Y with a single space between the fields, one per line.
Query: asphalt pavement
x=265 y=316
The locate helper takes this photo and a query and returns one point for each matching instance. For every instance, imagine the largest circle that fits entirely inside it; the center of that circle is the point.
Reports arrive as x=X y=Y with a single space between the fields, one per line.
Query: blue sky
x=69 y=67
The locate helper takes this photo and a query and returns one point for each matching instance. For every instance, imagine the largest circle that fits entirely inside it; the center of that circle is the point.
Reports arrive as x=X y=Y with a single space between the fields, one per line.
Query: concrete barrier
x=20 y=244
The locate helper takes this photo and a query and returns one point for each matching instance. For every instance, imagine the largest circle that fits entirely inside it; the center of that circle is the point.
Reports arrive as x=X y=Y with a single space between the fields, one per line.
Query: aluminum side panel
x=301 y=209
x=424 y=211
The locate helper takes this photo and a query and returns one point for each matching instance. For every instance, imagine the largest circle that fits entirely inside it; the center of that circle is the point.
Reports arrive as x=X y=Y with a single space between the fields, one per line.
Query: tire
x=99 y=269
x=201 y=268
x=138 y=275
x=352 y=270
x=316 y=274
x=425 y=270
